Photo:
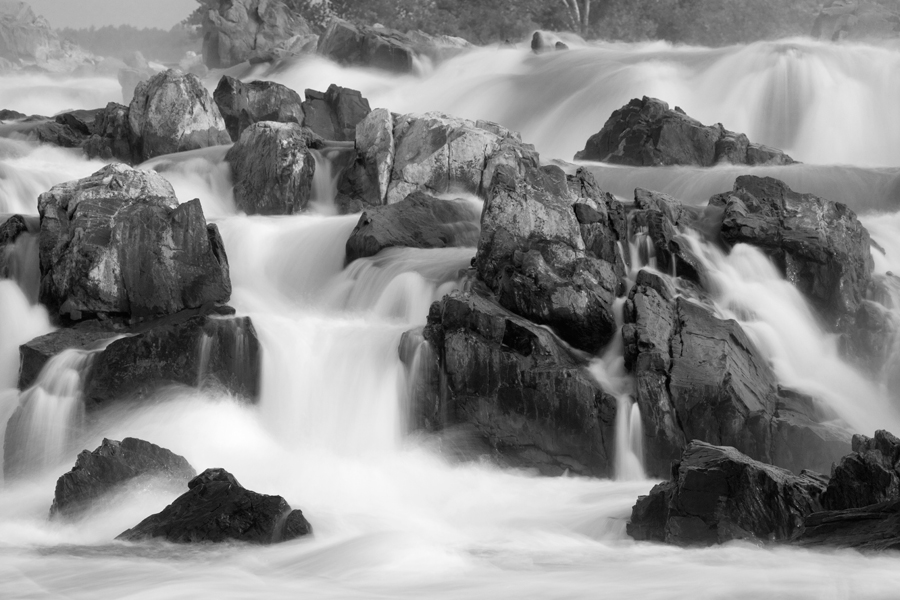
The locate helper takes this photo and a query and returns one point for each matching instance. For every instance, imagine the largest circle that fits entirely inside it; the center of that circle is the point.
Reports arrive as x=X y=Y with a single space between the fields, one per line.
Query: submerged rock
x=646 y=133
x=216 y=508
x=418 y=221
x=335 y=114
x=118 y=243
x=243 y=104
x=109 y=467
x=718 y=494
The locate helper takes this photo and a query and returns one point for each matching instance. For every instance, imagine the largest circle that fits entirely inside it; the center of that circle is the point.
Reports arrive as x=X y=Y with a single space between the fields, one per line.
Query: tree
x=579 y=16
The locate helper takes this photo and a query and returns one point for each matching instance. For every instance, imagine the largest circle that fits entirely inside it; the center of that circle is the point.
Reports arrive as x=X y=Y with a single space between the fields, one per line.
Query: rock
x=645 y=133
x=109 y=467
x=217 y=508
x=118 y=243
x=381 y=48
x=532 y=255
x=418 y=221
x=111 y=137
x=335 y=114
x=869 y=475
x=370 y=177
x=546 y=41
x=11 y=115
x=718 y=494
x=34 y=354
x=657 y=222
x=819 y=245
x=529 y=395
x=25 y=36
x=173 y=112
x=871 y=528
x=272 y=168
x=130 y=78
x=243 y=104
x=860 y=20
x=235 y=31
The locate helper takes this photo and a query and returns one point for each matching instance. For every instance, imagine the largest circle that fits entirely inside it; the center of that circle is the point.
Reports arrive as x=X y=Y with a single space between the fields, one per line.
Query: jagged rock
x=173 y=112
x=23 y=35
x=869 y=475
x=272 y=168
x=235 y=31
x=243 y=104
x=859 y=20
x=418 y=221
x=657 y=218
x=111 y=137
x=820 y=245
x=875 y=527
x=217 y=508
x=111 y=465
x=645 y=133
x=529 y=395
x=119 y=243
x=532 y=255
x=35 y=353
x=718 y=494
x=11 y=115
x=335 y=114
x=370 y=177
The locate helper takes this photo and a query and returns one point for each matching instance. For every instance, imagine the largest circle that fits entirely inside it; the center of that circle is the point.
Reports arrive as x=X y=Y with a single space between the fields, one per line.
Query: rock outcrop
x=118 y=243
x=113 y=464
x=646 y=133
x=173 y=112
x=216 y=508
x=335 y=114
x=418 y=221
x=243 y=104
x=235 y=31
x=272 y=168
x=858 y=20
x=718 y=494
x=869 y=475
x=870 y=528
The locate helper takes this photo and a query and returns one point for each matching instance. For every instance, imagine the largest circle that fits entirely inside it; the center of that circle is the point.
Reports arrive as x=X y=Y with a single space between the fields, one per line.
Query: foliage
x=122 y=41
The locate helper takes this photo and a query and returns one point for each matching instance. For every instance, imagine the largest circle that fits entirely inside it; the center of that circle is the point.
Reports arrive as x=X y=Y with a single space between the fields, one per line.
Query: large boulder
x=869 y=475
x=109 y=467
x=335 y=114
x=118 y=243
x=418 y=221
x=529 y=395
x=36 y=353
x=646 y=133
x=111 y=137
x=272 y=168
x=173 y=112
x=819 y=244
x=243 y=104
x=235 y=31
x=718 y=494
x=216 y=508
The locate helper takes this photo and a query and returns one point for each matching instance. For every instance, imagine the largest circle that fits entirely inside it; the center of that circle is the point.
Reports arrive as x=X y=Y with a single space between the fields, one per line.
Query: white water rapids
x=393 y=517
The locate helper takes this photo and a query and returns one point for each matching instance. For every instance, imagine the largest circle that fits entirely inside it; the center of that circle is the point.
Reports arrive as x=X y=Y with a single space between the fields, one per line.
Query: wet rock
x=718 y=494
x=173 y=112
x=109 y=467
x=546 y=41
x=35 y=353
x=111 y=137
x=820 y=245
x=243 y=104
x=657 y=221
x=646 y=133
x=216 y=508
x=370 y=177
x=529 y=395
x=418 y=221
x=870 y=528
x=869 y=475
x=532 y=255
x=272 y=168
x=118 y=243
x=335 y=114
x=235 y=31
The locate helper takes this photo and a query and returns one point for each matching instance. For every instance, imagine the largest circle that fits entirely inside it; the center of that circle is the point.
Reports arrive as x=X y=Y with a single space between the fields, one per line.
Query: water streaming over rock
x=393 y=518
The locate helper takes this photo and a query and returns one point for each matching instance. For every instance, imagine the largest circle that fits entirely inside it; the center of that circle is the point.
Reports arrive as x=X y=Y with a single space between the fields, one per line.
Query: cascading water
x=393 y=519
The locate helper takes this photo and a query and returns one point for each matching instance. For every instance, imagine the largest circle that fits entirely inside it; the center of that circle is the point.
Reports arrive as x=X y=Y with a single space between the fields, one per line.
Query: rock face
x=272 y=168
x=217 y=508
x=118 y=243
x=173 y=112
x=874 y=527
x=860 y=20
x=529 y=395
x=35 y=353
x=111 y=137
x=418 y=221
x=869 y=475
x=335 y=114
x=23 y=35
x=111 y=465
x=243 y=104
x=718 y=494
x=645 y=133
x=235 y=31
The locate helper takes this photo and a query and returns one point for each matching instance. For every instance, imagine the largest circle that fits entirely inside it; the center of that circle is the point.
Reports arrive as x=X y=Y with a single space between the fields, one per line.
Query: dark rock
x=111 y=137
x=335 y=114
x=869 y=475
x=11 y=115
x=418 y=221
x=546 y=41
x=243 y=104
x=34 y=354
x=272 y=168
x=870 y=528
x=646 y=133
x=119 y=243
x=217 y=508
x=529 y=395
x=656 y=224
x=111 y=465
x=173 y=112
x=719 y=494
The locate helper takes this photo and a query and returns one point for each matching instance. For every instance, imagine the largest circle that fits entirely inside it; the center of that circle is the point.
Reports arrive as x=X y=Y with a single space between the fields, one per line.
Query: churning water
x=393 y=516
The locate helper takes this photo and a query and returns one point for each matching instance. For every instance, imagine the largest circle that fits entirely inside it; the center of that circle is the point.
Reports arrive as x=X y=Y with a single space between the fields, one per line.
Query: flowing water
x=393 y=515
